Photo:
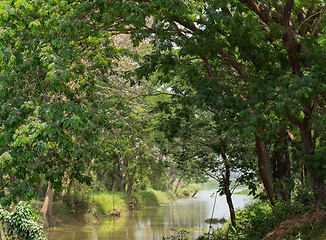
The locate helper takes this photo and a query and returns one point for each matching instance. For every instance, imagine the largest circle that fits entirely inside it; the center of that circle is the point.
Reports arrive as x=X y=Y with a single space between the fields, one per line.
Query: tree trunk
x=122 y=186
x=264 y=169
x=179 y=181
x=120 y=181
x=64 y=182
x=308 y=148
x=114 y=186
x=171 y=179
x=228 y=194
x=280 y=161
x=226 y=182
x=46 y=210
x=129 y=187
x=170 y=185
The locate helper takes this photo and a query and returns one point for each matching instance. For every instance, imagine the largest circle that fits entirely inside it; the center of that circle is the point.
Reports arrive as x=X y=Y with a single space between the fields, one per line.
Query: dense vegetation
x=129 y=95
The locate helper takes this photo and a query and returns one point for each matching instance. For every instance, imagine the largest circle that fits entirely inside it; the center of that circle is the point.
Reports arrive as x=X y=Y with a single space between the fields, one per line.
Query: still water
x=155 y=223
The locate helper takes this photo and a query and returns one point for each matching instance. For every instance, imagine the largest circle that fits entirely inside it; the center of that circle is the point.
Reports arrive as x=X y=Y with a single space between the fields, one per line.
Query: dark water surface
x=155 y=223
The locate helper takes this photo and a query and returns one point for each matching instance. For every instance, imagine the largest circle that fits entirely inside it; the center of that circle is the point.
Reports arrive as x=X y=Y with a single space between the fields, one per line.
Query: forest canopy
x=213 y=86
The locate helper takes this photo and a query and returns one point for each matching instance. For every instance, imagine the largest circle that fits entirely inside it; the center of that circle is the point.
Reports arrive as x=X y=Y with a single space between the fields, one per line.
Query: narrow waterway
x=155 y=223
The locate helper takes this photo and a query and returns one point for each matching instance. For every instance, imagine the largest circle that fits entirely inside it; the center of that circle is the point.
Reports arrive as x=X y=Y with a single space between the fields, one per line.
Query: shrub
x=21 y=223
x=255 y=220
x=303 y=194
x=79 y=199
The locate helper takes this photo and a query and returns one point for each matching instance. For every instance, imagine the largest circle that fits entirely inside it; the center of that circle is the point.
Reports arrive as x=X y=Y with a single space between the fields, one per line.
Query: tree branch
x=287 y=38
x=256 y=8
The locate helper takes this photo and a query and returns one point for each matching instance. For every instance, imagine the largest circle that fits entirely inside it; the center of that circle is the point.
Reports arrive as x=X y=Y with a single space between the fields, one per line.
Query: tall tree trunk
x=114 y=186
x=122 y=186
x=228 y=195
x=171 y=179
x=264 y=169
x=170 y=185
x=46 y=210
x=179 y=181
x=64 y=182
x=308 y=147
x=280 y=161
x=226 y=182
x=129 y=187
x=120 y=181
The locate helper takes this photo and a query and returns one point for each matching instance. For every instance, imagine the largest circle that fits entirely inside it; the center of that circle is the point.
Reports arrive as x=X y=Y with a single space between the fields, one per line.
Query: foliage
x=255 y=220
x=50 y=61
x=187 y=190
x=78 y=200
x=272 y=81
x=21 y=223
x=146 y=199
x=107 y=201
x=129 y=156
x=304 y=194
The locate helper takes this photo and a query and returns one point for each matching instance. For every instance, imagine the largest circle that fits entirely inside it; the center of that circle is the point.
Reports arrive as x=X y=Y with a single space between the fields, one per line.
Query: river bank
x=154 y=223
x=94 y=207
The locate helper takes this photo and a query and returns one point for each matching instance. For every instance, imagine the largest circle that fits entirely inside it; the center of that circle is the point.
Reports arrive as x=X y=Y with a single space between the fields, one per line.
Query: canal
x=156 y=223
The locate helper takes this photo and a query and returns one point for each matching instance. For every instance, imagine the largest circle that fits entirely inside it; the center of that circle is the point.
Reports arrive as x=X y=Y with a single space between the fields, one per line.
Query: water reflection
x=154 y=223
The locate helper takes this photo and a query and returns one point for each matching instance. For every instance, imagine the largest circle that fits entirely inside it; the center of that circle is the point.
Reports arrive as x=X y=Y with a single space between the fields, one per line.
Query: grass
x=145 y=198
x=101 y=203
x=245 y=191
x=186 y=191
x=162 y=197
x=211 y=184
x=109 y=200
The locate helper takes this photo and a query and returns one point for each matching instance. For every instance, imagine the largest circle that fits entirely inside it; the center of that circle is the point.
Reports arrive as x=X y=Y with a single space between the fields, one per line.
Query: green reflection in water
x=154 y=223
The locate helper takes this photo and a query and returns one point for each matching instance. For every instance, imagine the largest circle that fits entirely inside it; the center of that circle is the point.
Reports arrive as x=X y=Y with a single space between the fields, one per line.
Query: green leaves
x=51 y=55
x=21 y=223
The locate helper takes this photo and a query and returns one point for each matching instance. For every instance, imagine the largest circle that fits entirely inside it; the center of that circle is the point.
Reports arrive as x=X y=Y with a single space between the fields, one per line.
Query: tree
x=209 y=147
x=262 y=58
x=51 y=55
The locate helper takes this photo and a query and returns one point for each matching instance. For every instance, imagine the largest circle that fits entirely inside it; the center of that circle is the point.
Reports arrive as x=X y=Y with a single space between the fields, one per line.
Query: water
x=155 y=223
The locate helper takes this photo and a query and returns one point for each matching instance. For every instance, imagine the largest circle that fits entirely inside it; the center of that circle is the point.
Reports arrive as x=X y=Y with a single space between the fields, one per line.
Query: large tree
x=262 y=58
x=52 y=53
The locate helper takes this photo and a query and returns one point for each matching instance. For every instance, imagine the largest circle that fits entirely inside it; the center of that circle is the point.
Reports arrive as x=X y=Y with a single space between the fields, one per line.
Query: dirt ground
x=286 y=226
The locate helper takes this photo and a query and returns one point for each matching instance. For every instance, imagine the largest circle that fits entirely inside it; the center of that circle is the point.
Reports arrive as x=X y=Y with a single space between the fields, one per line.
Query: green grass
x=163 y=197
x=245 y=191
x=187 y=190
x=109 y=200
x=101 y=203
x=146 y=198
x=211 y=184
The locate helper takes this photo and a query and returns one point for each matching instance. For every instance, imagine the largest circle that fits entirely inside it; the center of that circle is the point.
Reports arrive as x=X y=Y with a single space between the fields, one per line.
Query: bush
x=79 y=199
x=303 y=194
x=21 y=223
x=109 y=200
x=147 y=199
x=255 y=220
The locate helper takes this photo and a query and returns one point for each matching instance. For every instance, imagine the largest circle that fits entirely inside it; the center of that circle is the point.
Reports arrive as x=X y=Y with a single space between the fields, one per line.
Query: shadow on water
x=156 y=223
